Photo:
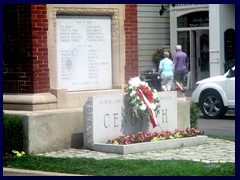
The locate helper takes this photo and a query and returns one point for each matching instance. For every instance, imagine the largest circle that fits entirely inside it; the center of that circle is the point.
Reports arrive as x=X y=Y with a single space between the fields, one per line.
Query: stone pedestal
x=51 y=130
x=29 y=102
x=107 y=117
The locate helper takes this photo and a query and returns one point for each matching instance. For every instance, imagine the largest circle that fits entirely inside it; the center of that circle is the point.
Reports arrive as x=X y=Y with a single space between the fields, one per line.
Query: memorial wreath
x=143 y=99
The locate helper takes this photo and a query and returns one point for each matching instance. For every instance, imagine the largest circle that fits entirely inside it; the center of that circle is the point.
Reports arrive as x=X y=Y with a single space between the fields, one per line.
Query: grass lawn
x=229 y=138
x=115 y=167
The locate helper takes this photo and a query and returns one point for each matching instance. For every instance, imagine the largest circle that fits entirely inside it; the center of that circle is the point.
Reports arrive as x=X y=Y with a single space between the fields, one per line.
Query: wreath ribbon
x=147 y=103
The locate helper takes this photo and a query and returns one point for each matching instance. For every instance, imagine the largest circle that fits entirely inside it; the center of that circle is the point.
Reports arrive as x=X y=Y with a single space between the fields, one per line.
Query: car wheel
x=212 y=105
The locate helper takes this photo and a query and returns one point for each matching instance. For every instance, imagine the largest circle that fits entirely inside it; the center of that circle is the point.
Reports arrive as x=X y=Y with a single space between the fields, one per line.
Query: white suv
x=216 y=95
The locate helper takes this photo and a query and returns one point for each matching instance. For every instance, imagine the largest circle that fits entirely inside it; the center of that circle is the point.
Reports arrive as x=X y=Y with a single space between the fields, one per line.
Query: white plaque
x=84 y=52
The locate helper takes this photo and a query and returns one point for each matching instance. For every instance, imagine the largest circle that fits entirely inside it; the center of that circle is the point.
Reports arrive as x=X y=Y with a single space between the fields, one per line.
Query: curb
x=25 y=172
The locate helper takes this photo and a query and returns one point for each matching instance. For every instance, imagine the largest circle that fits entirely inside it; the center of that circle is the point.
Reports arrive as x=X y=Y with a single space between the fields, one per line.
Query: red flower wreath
x=143 y=99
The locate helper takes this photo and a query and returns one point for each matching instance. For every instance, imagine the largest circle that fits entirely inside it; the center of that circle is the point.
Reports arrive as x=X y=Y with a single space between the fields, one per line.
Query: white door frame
x=176 y=12
x=200 y=74
x=195 y=70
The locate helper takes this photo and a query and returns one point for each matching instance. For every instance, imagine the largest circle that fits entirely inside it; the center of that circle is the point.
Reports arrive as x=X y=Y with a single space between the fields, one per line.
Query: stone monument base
x=58 y=129
x=51 y=130
x=150 y=146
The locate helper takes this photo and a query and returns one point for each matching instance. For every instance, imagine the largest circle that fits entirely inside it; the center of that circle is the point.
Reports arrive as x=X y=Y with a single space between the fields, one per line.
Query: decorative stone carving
x=113 y=12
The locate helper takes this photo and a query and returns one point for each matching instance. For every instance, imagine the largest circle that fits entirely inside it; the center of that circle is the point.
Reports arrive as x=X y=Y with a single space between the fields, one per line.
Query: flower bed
x=155 y=136
x=142 y=142
x=150 y=146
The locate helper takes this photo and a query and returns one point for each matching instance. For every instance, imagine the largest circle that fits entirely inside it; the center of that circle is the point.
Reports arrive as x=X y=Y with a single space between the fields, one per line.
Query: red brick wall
x=131 y=67
x=17 y=61
x=39 y=48
x=25 y=49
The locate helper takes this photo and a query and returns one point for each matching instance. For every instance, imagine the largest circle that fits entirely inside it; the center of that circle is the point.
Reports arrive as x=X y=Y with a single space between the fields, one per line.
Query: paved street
x=224 y=126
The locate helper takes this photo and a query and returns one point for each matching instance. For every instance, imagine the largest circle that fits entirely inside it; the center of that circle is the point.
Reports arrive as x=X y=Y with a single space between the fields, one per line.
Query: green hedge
x=194 y=115
x=12 y=133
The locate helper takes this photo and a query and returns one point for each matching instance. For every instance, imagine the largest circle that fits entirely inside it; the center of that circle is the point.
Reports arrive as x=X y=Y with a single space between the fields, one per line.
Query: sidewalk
x=187 y=94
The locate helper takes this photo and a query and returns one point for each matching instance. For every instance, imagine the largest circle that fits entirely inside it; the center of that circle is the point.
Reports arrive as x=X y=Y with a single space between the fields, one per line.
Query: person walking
x=180 y=62
x=165 y=70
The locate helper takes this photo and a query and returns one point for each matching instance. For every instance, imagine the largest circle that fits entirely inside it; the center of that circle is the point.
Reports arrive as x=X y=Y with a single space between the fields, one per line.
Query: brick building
x=29 y=71
x=30 y=64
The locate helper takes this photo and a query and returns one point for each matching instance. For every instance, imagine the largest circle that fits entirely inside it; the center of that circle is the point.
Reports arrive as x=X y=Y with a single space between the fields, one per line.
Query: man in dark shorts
x=180 y=61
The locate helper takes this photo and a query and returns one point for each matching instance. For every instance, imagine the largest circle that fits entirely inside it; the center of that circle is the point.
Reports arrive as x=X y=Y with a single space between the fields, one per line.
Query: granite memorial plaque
x=107 y=117
x=84 y=52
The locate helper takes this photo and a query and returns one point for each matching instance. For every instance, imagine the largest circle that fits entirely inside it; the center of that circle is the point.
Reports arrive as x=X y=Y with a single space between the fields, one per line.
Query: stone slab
x=29 y=102
x=52 y=130
x=183 y=113
x=84 y=52
x=107 y=117
x=150 y=146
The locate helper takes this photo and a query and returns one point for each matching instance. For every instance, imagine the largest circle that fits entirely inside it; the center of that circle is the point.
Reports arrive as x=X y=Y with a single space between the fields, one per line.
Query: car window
x=231 y=73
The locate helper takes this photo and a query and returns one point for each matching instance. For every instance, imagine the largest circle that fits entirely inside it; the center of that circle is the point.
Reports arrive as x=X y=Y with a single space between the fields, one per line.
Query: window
x=229 y=48
x=196 y=19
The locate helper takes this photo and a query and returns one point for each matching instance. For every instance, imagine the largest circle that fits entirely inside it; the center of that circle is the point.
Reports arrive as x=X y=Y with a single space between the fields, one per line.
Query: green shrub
x=194 y=115
x=158 y=55
x=12 y=133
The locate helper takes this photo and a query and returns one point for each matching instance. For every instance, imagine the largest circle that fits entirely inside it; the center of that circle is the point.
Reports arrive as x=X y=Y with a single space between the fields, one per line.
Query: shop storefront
x=202 y=34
